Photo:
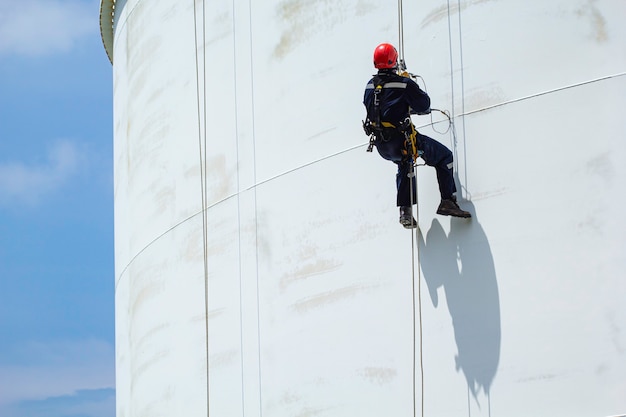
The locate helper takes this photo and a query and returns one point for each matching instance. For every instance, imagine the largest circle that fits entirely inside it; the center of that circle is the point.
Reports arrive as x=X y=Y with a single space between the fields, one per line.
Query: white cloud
x=43 y=27
x=21 y=182
x=92 y=403
x=58 y=369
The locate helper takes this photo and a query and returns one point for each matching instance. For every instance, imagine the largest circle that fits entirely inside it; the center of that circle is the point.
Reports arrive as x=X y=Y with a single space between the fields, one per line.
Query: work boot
x=449 y=207
x=406 y=217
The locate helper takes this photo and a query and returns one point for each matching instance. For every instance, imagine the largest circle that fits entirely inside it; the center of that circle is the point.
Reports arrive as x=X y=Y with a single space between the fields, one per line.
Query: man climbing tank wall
x=260 y=266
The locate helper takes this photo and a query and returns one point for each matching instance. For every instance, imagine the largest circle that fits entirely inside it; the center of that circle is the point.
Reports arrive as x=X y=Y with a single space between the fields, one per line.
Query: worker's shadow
x=462 y=264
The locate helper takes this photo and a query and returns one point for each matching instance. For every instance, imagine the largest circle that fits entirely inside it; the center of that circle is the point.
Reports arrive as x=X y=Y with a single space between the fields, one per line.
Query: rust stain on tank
x=305 y=271
x=193 y=249
x=144 y=294
x=365 y=7
x=442 y=12
x=150 y=360
x=310 y=412
x=147 y=336
x=368 y=231
x=224 y=358
x=378 y=375
x=220 y=177
x=596 y=19
x=163 y=197
x=224 y=238
x=289 y=12
x=304 y=19
x=328 y=297
x=289 y=398
x=140 y=56
x=221 y=28
x=216 y=313
x=486 y=96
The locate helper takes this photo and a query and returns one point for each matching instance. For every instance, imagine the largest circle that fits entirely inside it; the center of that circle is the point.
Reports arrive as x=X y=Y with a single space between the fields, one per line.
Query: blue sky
x=56 y=207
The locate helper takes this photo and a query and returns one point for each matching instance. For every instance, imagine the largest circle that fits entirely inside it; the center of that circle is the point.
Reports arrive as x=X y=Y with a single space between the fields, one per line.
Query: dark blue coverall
x=399 y=98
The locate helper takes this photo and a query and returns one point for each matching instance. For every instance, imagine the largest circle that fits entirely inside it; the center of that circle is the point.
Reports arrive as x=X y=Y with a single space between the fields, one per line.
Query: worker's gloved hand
x=405 y=73
x=424 y=112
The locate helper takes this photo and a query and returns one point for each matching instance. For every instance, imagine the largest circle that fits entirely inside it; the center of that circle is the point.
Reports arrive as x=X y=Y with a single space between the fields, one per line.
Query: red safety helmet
x=385 y=56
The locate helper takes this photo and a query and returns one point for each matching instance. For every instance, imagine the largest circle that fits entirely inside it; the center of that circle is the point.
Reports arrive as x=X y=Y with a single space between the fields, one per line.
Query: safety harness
x=381 y=131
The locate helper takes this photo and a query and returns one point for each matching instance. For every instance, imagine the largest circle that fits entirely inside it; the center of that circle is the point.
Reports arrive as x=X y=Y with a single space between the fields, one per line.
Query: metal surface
x=107 y=17
x=260 y=266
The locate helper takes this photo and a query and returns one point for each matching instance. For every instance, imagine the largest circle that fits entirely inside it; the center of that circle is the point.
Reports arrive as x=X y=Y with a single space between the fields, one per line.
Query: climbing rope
x=415 y=252
x=414 y=245
x=417 y=318
x=202 y=135
x=400 y=31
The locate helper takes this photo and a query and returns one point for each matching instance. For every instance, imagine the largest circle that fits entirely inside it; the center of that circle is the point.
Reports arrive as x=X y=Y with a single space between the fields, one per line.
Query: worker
x=390 y=99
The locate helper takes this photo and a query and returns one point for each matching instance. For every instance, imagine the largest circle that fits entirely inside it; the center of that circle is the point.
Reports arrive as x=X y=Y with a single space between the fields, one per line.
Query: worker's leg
x=440 y=157
x=404 y=184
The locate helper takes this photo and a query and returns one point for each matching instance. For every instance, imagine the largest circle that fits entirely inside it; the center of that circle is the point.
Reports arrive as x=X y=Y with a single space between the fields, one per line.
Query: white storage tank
x=260 y=266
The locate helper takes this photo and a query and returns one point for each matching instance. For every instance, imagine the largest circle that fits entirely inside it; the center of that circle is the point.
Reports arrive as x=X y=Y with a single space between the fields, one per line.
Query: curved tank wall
x=260 y=267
